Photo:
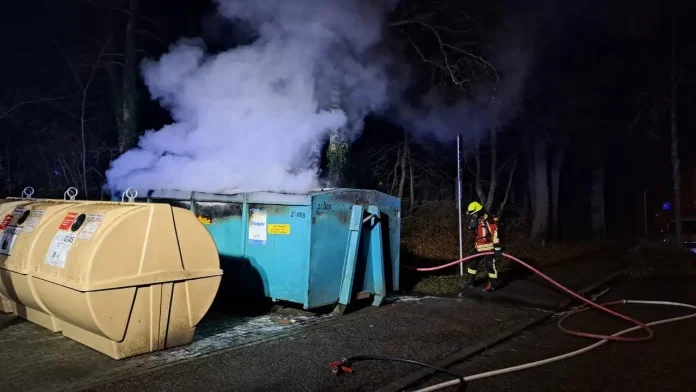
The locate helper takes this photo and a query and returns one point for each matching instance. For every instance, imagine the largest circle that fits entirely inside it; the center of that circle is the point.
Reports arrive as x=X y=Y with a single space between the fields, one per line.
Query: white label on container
x=92 y=224
x=8 y=239
x=59 y=249
x=257 y=227
x=33 y=221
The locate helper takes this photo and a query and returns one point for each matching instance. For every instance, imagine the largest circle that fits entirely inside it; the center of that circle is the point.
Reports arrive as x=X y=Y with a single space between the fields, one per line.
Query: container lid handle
x=130 y=194
x=27 y=192
x=70 y=193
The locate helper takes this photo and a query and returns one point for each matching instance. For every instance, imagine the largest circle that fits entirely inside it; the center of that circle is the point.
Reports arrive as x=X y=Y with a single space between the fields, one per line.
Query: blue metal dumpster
x=322 y=248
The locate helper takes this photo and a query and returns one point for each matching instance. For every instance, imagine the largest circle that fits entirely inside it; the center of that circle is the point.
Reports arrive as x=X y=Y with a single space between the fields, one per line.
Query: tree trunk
x=404 y=160
x=127 y=116
x=529 y=196
x=494 y=170
x=599 y=229
x=556 y=167
x=540 y=220
x=396 y=172
x=501 y=207
x=411 y=190
x=676 y=170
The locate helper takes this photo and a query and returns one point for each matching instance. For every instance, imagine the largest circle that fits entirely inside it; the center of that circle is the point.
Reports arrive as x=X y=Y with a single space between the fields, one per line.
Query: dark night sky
x=600 y=53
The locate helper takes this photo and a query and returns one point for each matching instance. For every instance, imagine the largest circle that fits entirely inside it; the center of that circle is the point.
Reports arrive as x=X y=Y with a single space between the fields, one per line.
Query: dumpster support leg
x=376 y=256
x=356 y=222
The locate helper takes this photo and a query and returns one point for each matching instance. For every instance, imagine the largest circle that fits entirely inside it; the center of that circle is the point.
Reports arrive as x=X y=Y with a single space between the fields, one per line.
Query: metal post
x=645 y=210
x=459 y=201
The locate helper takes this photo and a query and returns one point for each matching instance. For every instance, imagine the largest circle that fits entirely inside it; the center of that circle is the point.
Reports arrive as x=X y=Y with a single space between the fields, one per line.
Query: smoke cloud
x=255 y=117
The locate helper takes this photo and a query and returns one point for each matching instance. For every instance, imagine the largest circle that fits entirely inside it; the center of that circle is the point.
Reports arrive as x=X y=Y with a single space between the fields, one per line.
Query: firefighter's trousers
x=490 y=264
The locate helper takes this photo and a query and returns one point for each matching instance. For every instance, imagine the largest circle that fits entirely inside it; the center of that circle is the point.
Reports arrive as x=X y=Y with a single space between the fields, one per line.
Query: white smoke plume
x=255 y=117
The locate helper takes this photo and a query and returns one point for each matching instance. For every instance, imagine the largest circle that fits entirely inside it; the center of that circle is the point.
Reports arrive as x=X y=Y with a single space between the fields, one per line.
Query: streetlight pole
x=645 y=210
x=459 y=201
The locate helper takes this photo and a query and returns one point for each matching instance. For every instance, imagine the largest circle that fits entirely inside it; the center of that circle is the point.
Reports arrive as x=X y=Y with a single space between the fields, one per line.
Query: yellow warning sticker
x=279 y=229
x=205 y=220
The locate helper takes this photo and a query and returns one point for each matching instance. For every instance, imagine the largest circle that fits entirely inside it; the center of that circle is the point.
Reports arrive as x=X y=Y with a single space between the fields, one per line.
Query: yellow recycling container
x=121 y=278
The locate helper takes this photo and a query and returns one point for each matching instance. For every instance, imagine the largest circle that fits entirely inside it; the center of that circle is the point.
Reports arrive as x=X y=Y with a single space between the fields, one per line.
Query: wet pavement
x=663 y=364
x=424 y=329
x=582 y=274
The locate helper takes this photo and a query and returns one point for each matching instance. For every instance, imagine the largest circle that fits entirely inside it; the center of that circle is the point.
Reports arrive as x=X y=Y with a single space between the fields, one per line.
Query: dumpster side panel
x=390 y=220
x=330 y=228
x=391 y=237
x=224 y=223
x=277 y=244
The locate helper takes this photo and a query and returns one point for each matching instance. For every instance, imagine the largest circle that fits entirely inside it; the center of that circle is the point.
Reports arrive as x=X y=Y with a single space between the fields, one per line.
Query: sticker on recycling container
x=68 y=221
x=91 y=226
x=5 y=222
x=257 y=227
x=60 y=247
x=8 y=239
x=33 y=220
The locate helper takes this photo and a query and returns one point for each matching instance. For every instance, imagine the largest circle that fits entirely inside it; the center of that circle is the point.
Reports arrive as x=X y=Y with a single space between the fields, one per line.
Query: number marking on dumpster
x=60 y=247
x=276 y=229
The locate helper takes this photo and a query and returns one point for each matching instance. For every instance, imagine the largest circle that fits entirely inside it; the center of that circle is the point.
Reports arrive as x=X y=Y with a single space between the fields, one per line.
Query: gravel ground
x=663 y=364
x=428 y=330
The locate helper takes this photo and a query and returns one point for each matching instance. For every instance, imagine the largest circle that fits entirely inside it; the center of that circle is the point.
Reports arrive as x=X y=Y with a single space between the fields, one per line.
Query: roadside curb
x=592 y=286
x=404 y=382
x=400 y=384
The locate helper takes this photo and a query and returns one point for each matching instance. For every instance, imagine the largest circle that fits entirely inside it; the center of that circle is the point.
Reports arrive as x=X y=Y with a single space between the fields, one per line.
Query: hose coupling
x=339 y=367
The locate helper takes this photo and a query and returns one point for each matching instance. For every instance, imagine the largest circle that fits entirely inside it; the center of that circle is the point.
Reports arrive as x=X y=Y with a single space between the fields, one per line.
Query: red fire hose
x=603 y=307
x=344 y=366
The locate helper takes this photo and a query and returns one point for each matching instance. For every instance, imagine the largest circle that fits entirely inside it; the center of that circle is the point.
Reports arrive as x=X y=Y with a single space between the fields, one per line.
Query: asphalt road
x=665 y=363
x=425 y=329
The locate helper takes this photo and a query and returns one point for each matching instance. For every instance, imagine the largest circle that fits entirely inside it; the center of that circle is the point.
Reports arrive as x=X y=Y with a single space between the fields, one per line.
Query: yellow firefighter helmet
x=473 y=208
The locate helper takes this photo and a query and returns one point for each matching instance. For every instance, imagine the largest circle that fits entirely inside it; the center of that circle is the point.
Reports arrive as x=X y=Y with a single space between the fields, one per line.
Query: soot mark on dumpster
x=356 y=197
x=215 y=212
x=272 y=209
x=343 y=216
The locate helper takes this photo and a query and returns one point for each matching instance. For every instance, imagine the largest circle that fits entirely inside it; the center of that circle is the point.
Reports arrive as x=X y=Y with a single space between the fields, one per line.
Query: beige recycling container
x=121 y=278
x=7 y=213
x=15 y=258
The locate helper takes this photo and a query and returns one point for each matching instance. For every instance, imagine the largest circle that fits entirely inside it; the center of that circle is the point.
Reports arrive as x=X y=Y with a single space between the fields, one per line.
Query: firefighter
x=485 y=228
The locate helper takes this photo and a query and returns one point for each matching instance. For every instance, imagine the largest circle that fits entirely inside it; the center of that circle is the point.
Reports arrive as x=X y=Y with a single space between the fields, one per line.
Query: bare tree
x=560 y=147
x=81 y=116
x=675 y=81
x=449 y=39
x=597 y=199
x=488 y=196
x=540 y=190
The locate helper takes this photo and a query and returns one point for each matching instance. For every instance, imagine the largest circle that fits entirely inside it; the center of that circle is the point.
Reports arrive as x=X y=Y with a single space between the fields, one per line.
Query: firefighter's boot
x=470 y=280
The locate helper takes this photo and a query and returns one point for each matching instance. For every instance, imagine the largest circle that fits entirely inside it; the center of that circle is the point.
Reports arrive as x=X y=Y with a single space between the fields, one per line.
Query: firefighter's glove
x=473 y=222
x=498 y=252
